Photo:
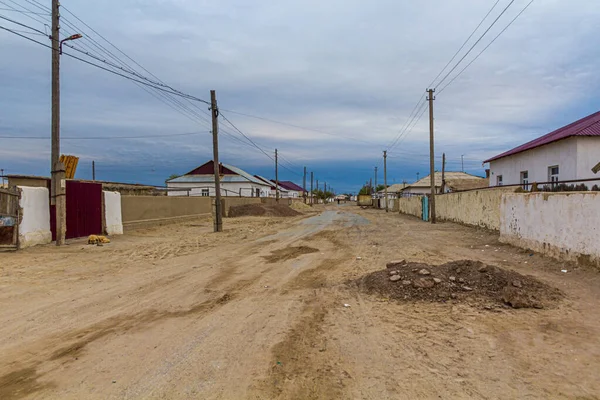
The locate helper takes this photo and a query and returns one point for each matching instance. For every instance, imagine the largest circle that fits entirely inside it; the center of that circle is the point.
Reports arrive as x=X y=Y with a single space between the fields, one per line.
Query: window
x=205 y=193
x=257 y=192
x=525 y=179
x=553 y=174
x=498 y=180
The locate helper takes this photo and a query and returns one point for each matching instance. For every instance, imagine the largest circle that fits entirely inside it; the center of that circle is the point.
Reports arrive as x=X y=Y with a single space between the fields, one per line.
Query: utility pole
x=93 y=170
x=431 y=158
x=371 y=185
x=443 y=173
x=276 y=178
x=304 y=185
x=57 y=189
x=2 y=175
x=218 y=221
x=385 y=179
x=311 y=189
x=376 y=178
x=462 y=162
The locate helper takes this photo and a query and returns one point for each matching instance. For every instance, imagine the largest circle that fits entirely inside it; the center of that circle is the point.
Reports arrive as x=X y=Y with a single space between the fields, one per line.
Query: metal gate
x=84 y=210
x=425 y=207
x=9 y=219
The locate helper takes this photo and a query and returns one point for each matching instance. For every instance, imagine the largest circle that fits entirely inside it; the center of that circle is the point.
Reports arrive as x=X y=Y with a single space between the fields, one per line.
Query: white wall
x=420 y=190
x=248 y=189
x=536 y=161
x=34 y=228
x=588 y=155
x=113 y=218
x=562 y=225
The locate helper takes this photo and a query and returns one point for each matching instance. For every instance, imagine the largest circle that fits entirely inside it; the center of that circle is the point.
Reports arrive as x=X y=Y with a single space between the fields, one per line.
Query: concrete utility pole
x=431 y=158
x=311 y=189
x=218 y=221
x=276 y=178
x=375 y=178
x=57 y=185
x=443 y=173
x=304 y=185
x=385 y=179
x=462 y=163
x=93 y=170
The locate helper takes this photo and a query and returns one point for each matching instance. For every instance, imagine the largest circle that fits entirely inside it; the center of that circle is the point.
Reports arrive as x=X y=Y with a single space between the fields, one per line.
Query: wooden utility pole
x=276 y=178
x=57 y=186
x=311 y=189
x=431 y=158
x=443 y=173
x=385 y=179
x=375 y=178
x=304 y=185
x=93 y=170
x=218 y=220
x=462 y=162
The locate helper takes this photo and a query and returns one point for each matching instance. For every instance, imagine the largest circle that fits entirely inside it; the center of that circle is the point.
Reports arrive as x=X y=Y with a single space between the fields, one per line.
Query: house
x=201 y=182
x=455 y=181
x=393 y=191
x=567 y=153
x=294 y=190
x=283 y=192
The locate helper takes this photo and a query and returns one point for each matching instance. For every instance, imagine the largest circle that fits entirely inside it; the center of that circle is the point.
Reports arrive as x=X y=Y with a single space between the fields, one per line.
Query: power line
x=244 y=135
x=486 y=47
x=23 y=25
x=476 y=42
x=22 y=12
x=104 y=137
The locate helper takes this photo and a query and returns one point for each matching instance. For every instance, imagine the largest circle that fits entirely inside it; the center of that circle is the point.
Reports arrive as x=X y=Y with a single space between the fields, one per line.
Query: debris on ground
x=465 y=280
x=299 y=206
x=262 y=210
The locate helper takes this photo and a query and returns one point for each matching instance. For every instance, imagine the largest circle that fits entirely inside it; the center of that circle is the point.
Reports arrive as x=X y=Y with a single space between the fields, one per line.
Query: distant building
x=201 y=182
x=393 y=191
x=567 y=153
x=294 y=190
x=455 y=181
x=283 y=192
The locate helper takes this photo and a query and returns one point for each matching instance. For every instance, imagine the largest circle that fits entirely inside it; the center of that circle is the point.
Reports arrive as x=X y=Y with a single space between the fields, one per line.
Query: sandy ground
x=257 y=312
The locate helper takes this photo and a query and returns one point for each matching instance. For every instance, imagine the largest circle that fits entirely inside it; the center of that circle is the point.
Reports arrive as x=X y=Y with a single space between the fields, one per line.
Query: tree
x=172 y=176
x=379 y=187
x=365 y=190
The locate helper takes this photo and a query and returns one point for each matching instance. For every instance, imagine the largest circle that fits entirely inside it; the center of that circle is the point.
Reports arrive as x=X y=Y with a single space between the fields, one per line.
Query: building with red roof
x=568 y=153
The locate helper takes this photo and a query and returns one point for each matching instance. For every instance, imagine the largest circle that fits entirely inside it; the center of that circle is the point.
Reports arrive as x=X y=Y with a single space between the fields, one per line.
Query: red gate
x=84 y=210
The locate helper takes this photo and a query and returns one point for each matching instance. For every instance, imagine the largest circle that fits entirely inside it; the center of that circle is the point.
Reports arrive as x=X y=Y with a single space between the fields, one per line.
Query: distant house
x=201 y=182
x=393 y=191
x=283 y=192
x=567 y=153
x=455 y=181
x=293 y=189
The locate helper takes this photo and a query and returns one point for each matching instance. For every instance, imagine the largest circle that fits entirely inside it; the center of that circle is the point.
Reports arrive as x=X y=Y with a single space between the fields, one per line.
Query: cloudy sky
x=348 y=71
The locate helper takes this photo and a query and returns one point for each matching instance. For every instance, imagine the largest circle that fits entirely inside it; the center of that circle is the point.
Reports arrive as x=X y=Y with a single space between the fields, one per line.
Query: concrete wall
x=143 y=208
x=113 y=219
x=28 y=181
x=271 y=201
x=34 y=227
x=476 y=207
x=410 y=205
x=536 y=162
x=561 y=225
x=237 y=201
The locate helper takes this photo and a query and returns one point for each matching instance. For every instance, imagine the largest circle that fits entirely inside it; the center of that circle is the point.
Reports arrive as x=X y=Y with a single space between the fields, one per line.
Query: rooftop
x=455 y=180
x=588 y=126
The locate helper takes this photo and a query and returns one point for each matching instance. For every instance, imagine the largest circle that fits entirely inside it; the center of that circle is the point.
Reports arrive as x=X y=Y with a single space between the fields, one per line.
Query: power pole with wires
x=375 y=178
x=93 y=170
x=431 y=158
x=462 y=162
x=311 y=189
x=57 y=189
x=218 y=221
x=385 y=179
x=276 y=178
x=304 y=185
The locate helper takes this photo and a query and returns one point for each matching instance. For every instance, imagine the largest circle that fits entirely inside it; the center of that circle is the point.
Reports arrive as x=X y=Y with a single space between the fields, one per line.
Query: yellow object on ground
x=96 y=239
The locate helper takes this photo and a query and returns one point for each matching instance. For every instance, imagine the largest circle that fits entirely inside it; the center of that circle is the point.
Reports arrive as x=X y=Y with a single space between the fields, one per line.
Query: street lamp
x=72 y=37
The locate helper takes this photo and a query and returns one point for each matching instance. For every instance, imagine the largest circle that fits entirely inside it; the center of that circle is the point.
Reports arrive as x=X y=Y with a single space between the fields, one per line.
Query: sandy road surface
x=258 y=313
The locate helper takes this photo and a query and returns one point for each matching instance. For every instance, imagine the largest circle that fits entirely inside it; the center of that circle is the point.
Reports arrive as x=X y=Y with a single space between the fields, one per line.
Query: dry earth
x=259 y=312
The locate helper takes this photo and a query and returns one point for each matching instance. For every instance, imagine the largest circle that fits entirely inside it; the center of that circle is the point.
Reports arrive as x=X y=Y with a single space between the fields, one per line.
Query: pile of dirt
x=262 y=210
x=299 y=206
x=465 y=280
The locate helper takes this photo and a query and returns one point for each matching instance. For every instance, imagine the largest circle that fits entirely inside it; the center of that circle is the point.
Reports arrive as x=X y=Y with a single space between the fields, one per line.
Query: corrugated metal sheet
x=588 y=126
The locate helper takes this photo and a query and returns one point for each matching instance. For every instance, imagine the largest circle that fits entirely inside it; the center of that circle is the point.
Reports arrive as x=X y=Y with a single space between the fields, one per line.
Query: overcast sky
x=351 y=70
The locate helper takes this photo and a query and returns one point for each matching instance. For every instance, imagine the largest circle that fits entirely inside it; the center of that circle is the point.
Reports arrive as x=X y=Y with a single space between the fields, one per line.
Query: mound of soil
x=278 y=210
x=296 y=205
x=465 y=280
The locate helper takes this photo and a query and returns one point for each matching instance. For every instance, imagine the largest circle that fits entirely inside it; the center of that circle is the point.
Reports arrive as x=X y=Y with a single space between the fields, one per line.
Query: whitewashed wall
x=34 y=228
x=561 y=225
x=227 y=189
x=113 y=218
x=588 y=155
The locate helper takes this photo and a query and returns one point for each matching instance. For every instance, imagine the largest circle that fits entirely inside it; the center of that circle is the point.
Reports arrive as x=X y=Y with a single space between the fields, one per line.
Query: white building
x=201 y=182
x=454 y=181
x=568 y=153
x=283 y=192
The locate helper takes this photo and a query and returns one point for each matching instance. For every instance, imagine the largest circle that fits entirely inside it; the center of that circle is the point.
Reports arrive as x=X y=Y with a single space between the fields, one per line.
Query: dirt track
x=258 y=313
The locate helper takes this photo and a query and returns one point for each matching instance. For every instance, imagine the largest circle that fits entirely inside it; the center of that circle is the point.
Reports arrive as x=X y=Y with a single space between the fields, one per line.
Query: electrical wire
x=22 y=12
x=104 y=137
x=23 y=25
x=486 y=47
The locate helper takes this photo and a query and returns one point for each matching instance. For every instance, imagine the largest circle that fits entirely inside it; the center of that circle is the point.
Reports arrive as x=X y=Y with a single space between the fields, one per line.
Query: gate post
x=61 y=203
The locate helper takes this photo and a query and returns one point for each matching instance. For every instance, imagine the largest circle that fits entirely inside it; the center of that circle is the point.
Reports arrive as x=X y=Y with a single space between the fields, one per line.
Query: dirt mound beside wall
x=248 y=210
x=465 y=280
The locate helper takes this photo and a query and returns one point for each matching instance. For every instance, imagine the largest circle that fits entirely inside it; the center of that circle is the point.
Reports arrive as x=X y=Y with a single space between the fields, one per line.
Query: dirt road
x=258 y=312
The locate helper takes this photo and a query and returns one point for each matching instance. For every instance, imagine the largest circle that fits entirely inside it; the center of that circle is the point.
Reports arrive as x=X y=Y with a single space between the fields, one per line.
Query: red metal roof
x=588 y=126
x=289 y=185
